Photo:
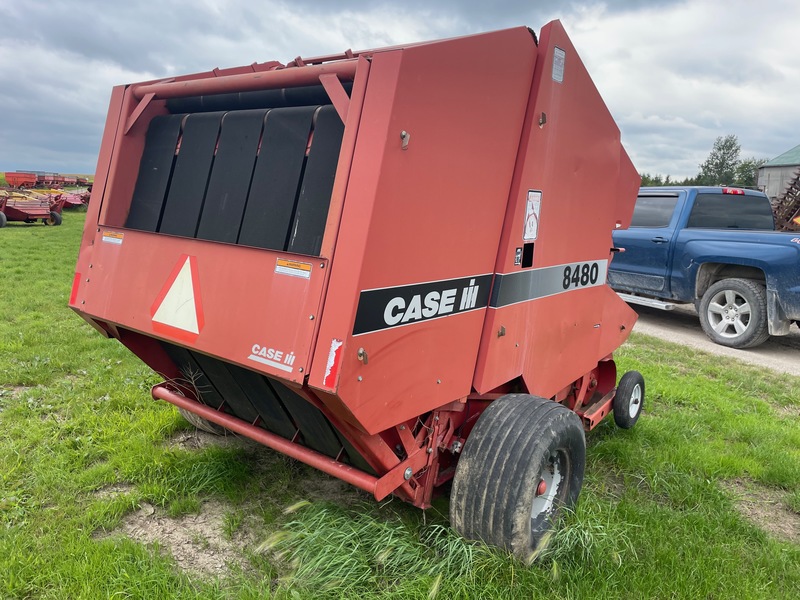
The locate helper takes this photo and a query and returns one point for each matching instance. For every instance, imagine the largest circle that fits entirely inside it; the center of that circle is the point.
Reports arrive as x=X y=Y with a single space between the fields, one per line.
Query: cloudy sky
x=675 y=75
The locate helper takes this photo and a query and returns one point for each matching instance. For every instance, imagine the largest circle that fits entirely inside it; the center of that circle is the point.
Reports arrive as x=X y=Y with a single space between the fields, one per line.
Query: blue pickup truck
x=714 y=247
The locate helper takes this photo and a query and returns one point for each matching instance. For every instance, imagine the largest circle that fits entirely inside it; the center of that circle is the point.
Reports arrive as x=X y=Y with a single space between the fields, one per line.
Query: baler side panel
x=555 y=332
x=422 y=217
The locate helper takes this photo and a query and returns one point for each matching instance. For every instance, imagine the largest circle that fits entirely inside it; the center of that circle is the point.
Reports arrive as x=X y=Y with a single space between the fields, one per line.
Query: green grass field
x=106 y=493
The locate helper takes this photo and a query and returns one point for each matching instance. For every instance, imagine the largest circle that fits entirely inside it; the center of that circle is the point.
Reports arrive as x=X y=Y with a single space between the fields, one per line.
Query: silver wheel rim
x=729 y=314
x=543 y=503
x=635 y=401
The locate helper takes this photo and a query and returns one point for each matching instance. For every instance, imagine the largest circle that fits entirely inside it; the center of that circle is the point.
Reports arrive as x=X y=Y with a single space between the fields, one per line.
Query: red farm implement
x=29 y=207
x=389 y=265
x=21 y=180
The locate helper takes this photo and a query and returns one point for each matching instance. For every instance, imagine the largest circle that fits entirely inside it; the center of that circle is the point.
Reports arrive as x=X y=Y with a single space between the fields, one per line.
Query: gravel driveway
x=781 y=354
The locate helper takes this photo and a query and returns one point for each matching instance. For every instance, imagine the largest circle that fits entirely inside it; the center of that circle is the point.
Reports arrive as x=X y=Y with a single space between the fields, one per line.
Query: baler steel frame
x=421 y=451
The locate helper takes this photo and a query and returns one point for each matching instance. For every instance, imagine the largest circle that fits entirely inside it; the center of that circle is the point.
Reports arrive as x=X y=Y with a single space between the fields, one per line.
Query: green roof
x=790 y=157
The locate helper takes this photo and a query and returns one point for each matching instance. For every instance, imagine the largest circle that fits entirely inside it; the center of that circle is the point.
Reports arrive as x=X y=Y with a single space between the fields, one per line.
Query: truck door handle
x=659 y=240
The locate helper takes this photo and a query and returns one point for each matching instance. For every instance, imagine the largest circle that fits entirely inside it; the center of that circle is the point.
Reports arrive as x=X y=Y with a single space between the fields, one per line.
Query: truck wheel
x=521 y=466
x=3 y=219
x=201 y=423
x=629 y=399
x=733 y=313
x=55 y=219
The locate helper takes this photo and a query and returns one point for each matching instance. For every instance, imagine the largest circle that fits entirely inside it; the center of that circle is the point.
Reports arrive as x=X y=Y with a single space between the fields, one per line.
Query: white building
x=775 y=175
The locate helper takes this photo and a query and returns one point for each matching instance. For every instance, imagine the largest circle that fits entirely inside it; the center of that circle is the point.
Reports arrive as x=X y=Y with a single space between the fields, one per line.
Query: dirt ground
x=681 y=325
x=765 y=508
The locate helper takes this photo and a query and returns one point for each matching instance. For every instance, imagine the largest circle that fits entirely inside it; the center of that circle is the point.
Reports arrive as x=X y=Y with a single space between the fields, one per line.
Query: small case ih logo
x=274 y=358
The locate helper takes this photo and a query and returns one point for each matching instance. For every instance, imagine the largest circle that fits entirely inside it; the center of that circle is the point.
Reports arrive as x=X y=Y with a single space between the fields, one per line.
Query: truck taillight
x=727 y=190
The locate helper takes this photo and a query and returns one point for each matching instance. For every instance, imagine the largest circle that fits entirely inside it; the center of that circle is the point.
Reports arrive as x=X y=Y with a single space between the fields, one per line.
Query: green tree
x=747 y=171
x=722 y=163
x=651 y=180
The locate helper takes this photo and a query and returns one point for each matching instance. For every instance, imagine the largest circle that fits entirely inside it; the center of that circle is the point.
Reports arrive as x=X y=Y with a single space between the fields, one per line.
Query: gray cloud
x=674 y=74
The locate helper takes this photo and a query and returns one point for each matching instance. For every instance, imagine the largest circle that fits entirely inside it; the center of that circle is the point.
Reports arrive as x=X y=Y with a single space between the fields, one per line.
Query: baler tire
x=518 y=442
x=55 y=219
x=751 y=327
x=3 y=220
x=201 y=423
x=628 y=400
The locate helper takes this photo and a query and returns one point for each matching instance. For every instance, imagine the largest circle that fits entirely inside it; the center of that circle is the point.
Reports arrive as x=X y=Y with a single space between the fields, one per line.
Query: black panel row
x=245 y=177
x=256 y=398
x=300 y=96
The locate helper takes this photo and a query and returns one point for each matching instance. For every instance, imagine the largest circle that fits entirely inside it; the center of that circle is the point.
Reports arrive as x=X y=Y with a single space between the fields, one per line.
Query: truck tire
x=628 y=400
x=3 y=220
x=521 y=466
x=733 y=313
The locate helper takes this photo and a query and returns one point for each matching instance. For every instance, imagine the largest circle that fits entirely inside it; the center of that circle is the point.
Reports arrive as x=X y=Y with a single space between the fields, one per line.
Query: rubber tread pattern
x=500 y=421
x=493 y=481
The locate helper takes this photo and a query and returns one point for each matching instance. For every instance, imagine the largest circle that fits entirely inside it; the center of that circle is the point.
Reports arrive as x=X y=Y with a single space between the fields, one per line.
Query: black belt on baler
x=240 y=176
x=261 y=400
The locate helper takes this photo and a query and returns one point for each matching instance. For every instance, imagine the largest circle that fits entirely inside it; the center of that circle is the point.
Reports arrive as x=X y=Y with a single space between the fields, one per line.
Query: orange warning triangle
x=177 y=310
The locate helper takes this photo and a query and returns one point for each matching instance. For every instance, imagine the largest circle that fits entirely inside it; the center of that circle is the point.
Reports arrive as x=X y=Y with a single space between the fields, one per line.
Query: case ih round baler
x=389 y=265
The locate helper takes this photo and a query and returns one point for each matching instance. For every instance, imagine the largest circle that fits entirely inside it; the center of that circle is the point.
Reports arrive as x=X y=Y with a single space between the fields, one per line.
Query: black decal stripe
x=372 y=303
x=513 y=288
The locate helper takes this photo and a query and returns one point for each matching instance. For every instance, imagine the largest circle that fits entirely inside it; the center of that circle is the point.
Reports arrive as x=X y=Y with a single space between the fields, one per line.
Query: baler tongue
x=352 y=258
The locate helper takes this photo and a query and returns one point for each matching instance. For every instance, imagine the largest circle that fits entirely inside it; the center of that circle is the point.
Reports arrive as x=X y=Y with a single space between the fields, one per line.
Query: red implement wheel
x=54 y=219
x=629 y=399
x=521 y=466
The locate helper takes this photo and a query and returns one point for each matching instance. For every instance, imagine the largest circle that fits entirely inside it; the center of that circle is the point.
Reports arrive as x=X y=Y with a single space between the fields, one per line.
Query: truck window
x=653 y=211
x=723 y=211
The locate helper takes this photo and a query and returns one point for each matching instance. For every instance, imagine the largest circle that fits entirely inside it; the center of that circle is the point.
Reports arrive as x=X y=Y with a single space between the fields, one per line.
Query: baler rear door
x=216 y=244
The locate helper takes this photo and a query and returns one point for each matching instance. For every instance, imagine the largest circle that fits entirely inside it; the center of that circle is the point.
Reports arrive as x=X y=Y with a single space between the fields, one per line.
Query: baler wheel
x=521 y=466
x=629 y=399
x=54 y=219
x=201 y=423
x=3 y=219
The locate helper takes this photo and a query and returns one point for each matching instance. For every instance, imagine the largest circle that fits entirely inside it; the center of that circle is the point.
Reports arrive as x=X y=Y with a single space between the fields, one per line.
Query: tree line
x=723 y=166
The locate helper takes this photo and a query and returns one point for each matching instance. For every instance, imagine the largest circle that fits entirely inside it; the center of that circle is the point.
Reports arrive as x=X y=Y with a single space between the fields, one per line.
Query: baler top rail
x=344 y=70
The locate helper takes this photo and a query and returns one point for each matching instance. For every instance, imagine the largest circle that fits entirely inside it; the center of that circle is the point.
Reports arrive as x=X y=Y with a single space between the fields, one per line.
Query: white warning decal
x=177 y=310
x=559 y=60
x=533 y=206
